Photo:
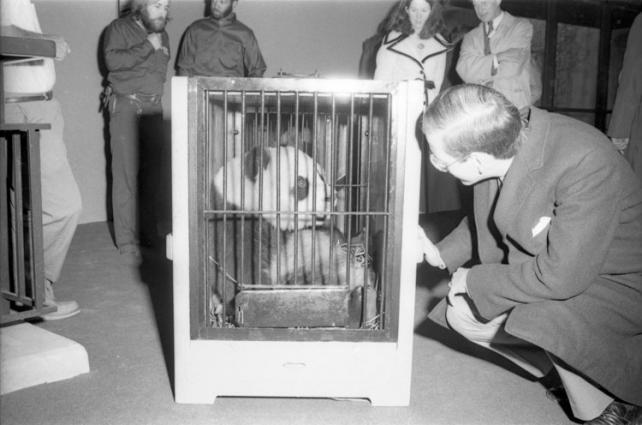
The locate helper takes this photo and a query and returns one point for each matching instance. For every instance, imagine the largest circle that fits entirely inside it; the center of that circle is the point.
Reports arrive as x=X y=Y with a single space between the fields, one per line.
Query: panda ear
x=256 y=159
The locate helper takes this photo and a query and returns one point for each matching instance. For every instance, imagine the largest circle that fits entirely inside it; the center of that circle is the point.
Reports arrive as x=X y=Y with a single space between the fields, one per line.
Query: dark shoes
x=619 y=413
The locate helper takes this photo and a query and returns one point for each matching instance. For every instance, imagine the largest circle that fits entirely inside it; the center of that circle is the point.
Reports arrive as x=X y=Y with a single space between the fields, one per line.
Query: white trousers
x=586 y=399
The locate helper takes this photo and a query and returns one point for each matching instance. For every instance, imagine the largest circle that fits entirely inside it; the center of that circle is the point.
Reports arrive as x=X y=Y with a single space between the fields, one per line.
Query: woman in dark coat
x=557 y=229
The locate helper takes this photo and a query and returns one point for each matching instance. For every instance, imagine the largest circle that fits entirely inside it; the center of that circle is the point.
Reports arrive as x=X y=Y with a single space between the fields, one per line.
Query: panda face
x=302 y=188
x=283 y=182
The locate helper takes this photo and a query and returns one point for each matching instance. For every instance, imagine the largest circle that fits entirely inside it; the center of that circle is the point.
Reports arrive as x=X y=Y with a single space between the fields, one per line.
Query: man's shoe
x=618 y=413
x=64 y=310
x=131 y=255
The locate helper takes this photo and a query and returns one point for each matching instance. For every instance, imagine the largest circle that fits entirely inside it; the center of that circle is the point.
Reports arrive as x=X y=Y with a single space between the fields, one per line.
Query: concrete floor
x=126 y=327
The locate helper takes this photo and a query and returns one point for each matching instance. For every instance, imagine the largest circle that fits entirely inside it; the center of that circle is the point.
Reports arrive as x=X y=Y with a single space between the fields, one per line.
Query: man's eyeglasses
x=443 y=166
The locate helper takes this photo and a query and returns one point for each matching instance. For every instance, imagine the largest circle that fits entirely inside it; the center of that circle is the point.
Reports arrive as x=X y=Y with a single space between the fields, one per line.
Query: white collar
x=496 y=22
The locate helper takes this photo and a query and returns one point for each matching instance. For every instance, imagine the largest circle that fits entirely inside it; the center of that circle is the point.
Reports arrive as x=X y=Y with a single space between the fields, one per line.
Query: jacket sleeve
x=253 y=59
x=520 y=39
x=578 y=240
x=186 y=54
x=629 y=91
x=475 y=67
x=457 y=247
x=119 y=56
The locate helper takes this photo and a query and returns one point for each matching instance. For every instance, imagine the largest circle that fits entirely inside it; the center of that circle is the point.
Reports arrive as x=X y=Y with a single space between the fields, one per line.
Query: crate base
x=379 y=372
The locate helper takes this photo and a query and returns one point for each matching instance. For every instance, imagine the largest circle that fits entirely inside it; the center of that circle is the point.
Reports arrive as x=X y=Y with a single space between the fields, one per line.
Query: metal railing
x=21 y=251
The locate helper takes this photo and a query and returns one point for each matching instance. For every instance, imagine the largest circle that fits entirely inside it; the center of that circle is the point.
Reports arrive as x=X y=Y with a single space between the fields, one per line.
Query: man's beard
x=152 y=25
x=223 y=14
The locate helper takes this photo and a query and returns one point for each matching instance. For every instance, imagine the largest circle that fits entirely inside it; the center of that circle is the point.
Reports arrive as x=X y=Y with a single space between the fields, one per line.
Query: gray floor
x=126 y=327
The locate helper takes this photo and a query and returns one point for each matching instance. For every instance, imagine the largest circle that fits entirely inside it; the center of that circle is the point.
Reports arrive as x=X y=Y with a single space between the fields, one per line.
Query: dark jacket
x=220 y=48
x=562 y=252
x=133 y=65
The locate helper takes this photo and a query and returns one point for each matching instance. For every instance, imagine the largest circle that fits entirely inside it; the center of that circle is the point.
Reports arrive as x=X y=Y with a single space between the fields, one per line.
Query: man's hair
x=400 y=21
x=473 y=118
x=136 y=6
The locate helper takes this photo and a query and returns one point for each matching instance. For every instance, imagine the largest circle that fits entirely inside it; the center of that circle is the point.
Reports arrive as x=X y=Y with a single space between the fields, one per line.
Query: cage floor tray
x=293 y=308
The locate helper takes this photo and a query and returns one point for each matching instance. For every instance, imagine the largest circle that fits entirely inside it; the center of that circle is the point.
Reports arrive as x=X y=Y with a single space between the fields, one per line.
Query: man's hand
x=155 y=39
x=62 y=47
x=620 y=143
x=427 y=250
x=457 y=284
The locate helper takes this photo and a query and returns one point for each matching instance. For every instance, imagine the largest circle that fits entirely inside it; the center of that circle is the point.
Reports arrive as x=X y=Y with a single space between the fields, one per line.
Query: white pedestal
x=33 y=356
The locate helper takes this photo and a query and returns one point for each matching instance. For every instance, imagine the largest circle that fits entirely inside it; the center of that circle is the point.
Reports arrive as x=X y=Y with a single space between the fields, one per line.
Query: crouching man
x=557 y=229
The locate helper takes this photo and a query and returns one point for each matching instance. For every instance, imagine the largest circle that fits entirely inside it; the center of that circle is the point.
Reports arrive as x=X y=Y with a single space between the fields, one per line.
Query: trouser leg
x=61 y=202
x=493 y=336
x=123 y=128
x=586 y=399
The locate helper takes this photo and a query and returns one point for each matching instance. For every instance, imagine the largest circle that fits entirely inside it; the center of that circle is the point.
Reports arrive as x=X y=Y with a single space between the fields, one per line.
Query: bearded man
x=220 y=46
x=136 y=51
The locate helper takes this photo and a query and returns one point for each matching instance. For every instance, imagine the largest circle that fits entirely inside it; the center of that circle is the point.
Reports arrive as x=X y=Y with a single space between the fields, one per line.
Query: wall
x=296 y=36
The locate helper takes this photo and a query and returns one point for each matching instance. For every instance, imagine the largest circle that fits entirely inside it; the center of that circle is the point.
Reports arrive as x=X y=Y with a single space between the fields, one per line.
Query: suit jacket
x=561 y=252
x=513 y=77
x=626 y=119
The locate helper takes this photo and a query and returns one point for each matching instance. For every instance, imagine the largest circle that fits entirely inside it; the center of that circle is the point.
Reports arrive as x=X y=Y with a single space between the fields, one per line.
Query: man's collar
x=226 y=20
x=496 y=21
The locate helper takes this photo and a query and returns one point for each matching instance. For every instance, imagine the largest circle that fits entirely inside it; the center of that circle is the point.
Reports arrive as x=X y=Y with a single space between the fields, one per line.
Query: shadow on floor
x=156 y=273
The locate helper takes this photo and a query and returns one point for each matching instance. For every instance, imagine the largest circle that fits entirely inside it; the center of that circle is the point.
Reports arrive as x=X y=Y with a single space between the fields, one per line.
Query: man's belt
x=29 y=98
x=143 y=98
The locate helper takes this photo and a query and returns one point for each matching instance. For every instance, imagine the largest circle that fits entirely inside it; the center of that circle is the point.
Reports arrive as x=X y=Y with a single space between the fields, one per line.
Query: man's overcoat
x=561 y=252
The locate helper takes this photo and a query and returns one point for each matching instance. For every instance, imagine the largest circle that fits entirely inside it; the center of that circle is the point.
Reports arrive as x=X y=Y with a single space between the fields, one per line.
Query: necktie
x=487 y=31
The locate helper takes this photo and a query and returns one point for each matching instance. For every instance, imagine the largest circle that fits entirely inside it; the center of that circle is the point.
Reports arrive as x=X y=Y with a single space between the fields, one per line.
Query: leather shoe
x=618 y=413
x=64 y=309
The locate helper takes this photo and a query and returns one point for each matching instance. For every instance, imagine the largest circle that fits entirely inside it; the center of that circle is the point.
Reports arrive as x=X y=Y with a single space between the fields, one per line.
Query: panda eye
x=302 y=188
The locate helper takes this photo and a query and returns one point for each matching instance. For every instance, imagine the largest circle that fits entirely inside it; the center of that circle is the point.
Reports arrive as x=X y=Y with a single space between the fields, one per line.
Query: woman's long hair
x=400 y=21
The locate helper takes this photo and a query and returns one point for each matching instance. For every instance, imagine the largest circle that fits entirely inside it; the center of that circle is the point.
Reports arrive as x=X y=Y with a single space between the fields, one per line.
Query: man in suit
x=557 y=230
x=497 y=53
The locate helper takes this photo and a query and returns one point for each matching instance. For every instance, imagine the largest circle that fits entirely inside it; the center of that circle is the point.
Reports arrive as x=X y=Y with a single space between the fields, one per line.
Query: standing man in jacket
x=136 y=50
x=497 y=53
x=220 y=46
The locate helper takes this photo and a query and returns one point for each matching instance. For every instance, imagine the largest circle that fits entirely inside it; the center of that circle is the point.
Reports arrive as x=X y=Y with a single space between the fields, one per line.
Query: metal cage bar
x=349 y=137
